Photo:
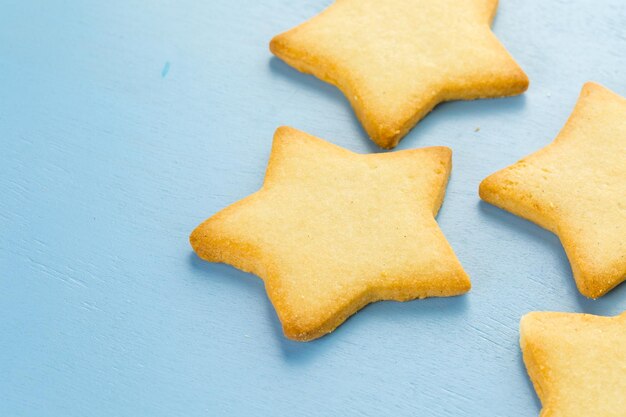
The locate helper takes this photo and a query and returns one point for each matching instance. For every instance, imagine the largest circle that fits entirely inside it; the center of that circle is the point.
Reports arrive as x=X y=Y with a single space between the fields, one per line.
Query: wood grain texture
x=125 y=123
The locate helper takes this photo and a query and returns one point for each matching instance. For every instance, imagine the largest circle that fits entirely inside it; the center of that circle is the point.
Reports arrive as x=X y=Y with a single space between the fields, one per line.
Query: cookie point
x=282 y=130
x=591 y=293
x=593 y=88
x=276 y=43
x=485 y=188
x=195 y=238
x=464 y=285
x=297 y=334
x=519 y=83
x=592 y=85
x=383 y=135
x=385 y=143
x=528 y=319
x=467 y=284
x=528 y=316
x=444 y=151
x=525 y=83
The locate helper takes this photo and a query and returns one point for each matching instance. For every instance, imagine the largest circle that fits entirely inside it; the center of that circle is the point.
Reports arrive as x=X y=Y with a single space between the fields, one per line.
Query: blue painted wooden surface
x=123 y=124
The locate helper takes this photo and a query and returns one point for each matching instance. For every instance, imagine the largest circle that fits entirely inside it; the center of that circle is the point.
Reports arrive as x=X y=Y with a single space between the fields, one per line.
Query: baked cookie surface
x=577 y=363
x=576 y=188
x=397 y=59
x=331 y=231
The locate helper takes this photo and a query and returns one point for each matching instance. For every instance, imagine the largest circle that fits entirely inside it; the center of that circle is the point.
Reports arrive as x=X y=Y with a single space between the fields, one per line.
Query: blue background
x=124 y=124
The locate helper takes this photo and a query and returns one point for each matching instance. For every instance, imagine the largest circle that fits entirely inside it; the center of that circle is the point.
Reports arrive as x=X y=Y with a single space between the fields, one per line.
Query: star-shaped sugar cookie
x=576 y=188
x=577 y=363
x=397 y=59
x=331 y=231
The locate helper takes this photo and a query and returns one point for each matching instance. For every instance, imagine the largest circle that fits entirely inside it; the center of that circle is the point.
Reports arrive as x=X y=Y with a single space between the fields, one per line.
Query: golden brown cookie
x=397 y=59
x=331 y=231
x=576 y=188
x=577 y=363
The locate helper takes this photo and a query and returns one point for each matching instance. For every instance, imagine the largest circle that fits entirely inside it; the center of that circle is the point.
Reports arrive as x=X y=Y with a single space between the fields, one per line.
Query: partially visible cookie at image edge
x=397 y=59
x=577 y=363
x=576 y=188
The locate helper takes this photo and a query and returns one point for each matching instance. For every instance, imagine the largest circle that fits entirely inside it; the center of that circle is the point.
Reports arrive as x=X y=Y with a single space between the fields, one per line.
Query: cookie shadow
x=416 y=310
x=239 y=280
x=601 y=306
x=327 y=90
x=463 y=110
x=611 y=304
x=243 y=282
x=390 y=313
x=307 y=81
x=441 y=114
x=527 y=228
x=299 y=353
x=494 y=107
